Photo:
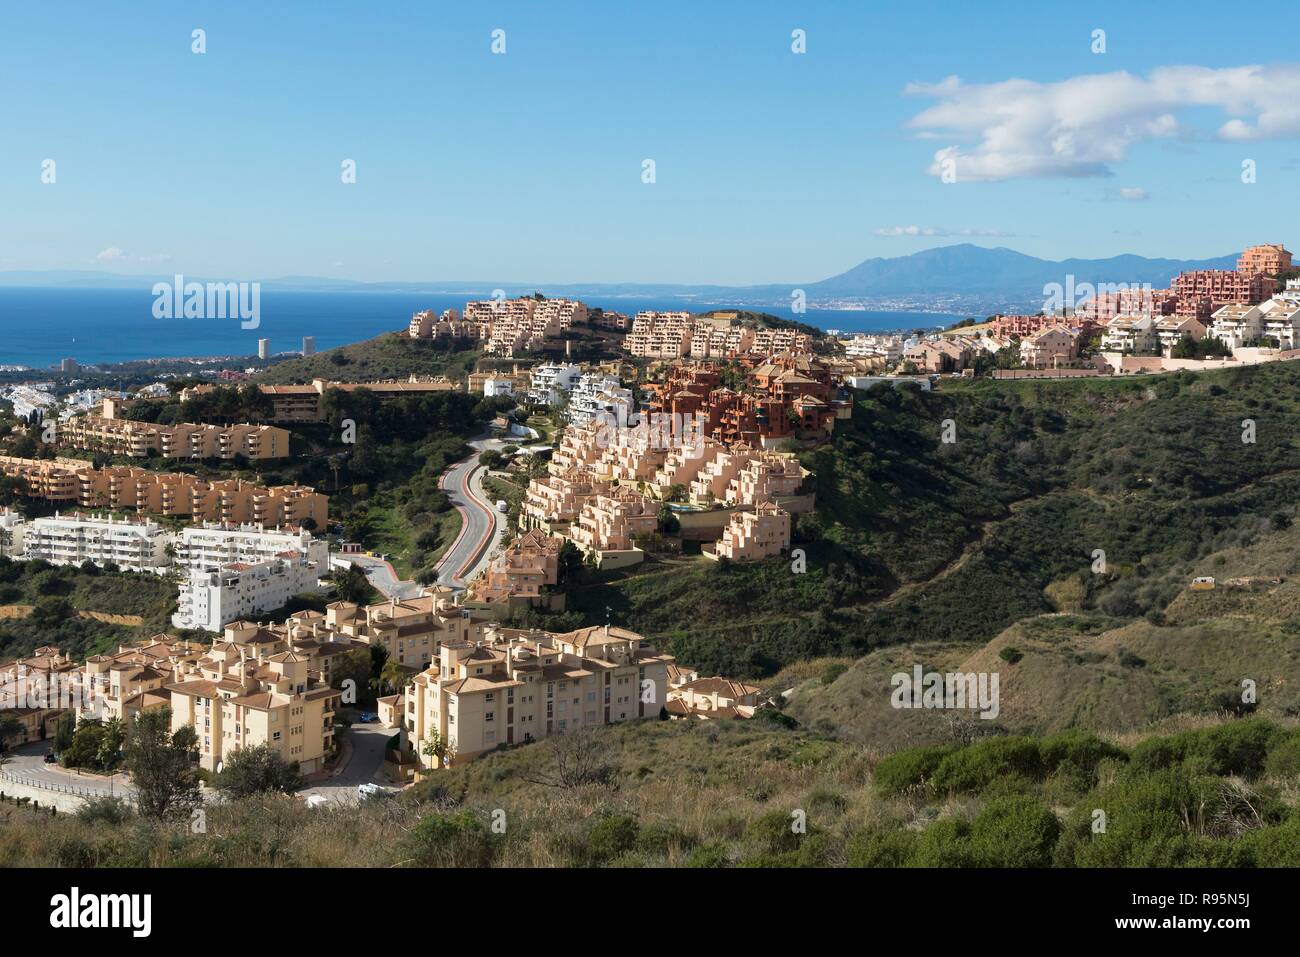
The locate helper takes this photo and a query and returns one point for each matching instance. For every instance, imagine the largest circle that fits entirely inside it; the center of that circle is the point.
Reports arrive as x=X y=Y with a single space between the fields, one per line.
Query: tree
x=163 y=765
x=393 y=676
x=10 y=729
x=434 y=747
x=353 y=586
x=579 y=758
x=257 y=770
x=63 y=731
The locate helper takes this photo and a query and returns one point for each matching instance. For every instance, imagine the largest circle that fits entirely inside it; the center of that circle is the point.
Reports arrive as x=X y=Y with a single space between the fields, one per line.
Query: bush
x=105 y=810
x=882 y=848
x=449 y=840
x=1014 y=832
x=903 y=771
x=610 y=837
x=1011 y=655
x=977 y=766
x=1283 y=759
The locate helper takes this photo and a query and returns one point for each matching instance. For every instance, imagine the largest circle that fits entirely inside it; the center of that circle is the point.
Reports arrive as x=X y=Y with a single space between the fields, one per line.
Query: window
x=275 y=735
x=490 y=716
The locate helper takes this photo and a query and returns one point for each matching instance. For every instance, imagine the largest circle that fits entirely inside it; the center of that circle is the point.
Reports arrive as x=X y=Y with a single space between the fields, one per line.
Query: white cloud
x=1134 y=194
x=1084 y=125
x=894 y=231
x=116 y=256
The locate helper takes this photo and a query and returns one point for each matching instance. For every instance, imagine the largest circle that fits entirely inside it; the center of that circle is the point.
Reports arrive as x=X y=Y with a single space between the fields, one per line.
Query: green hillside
x=388 y=356
x=917 y=540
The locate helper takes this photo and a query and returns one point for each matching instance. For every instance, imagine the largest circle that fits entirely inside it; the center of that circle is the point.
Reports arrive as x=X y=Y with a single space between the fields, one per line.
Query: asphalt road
x=380 y=574
x=363 y=766
x=481 y=523
x=26 y=764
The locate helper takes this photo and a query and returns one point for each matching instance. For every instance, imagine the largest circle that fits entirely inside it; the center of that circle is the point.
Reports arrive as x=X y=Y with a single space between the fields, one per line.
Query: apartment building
x=938 y=355
x=449 y=324
x=122 y=683
x=510 y=326
x=1049 y=348
x=659 y=335
x=1202 y=292
x=764 y=476
x=213 y=544
x=72 y=539
x=209 y=598
x=1237 y=324
x=36 y=691
x=302 y=403
x=1129 y=334
x=410 y=630
x=1281 y=321
x=753 y=536
x=166 y=493
x=598 y=394
x=110 y=433
x=1270 y=259
x=234 y=699
x=1170 y=331
x=610 y=521
x=551 y=382
x=551 y=503
x=714 y=699
x=513 y=687
x=13 y=527
x=519 y=574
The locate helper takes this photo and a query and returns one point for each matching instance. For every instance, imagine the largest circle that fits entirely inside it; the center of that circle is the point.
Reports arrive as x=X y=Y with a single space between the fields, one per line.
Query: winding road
x=482 y=526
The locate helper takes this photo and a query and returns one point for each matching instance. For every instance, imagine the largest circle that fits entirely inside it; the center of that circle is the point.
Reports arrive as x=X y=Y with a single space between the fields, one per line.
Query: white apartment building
x=1236 y=324
x=550 y=381
x=211 y=545
x=1129 y=334
x=210 y=599
x=12 y=529
x=597 y=392
x=1281 y=318
x=135 y=546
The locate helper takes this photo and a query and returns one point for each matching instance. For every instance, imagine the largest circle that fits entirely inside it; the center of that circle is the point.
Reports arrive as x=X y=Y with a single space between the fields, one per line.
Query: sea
x=39 y=327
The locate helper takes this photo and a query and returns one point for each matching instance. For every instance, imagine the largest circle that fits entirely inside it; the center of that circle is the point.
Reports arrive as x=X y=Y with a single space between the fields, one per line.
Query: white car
x=369 y=790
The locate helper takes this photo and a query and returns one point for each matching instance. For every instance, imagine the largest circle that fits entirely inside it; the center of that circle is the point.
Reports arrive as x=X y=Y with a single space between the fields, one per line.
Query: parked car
x=366 y=717
x=503 y=505
x=51 y=757
x=369 y=790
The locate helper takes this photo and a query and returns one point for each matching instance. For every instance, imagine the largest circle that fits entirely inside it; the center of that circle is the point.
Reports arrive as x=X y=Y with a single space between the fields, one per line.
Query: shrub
x=773 y=833
x=879 y=847
x=833 y=672
x=105 y=810
x=976 y=766
x=449 y=840
x=1011 y=655
x=1014 y=832
x=610 y=837
x=1284 y=758
x=903 y=771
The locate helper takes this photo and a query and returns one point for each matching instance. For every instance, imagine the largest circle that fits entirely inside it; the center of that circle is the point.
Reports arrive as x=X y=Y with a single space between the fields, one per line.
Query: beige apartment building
x=713 y=699
x=187 y=440
x=236 y=700
x=513 y=687
x=610 y=521
x=519 y=574
x=753 y=536
x=302 y=403
x=166 y=493
x=1049 y=348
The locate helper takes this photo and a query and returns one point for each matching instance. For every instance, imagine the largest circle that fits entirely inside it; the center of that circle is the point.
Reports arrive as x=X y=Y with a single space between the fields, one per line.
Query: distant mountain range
x=961 y=276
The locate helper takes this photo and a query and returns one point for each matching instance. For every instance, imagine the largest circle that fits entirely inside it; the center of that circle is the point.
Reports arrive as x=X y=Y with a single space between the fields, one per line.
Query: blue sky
x=771 y=166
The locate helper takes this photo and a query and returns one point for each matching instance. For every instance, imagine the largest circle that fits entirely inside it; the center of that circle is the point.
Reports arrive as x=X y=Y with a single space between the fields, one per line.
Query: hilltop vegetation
x=55 y=595
x=751 y=794
x=392 y=355
x=918 y=540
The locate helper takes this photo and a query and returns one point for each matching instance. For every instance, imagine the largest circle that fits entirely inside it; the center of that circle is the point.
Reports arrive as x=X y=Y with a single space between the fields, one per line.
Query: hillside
x=914 y=540
x=391 y=355
x=748 y=794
